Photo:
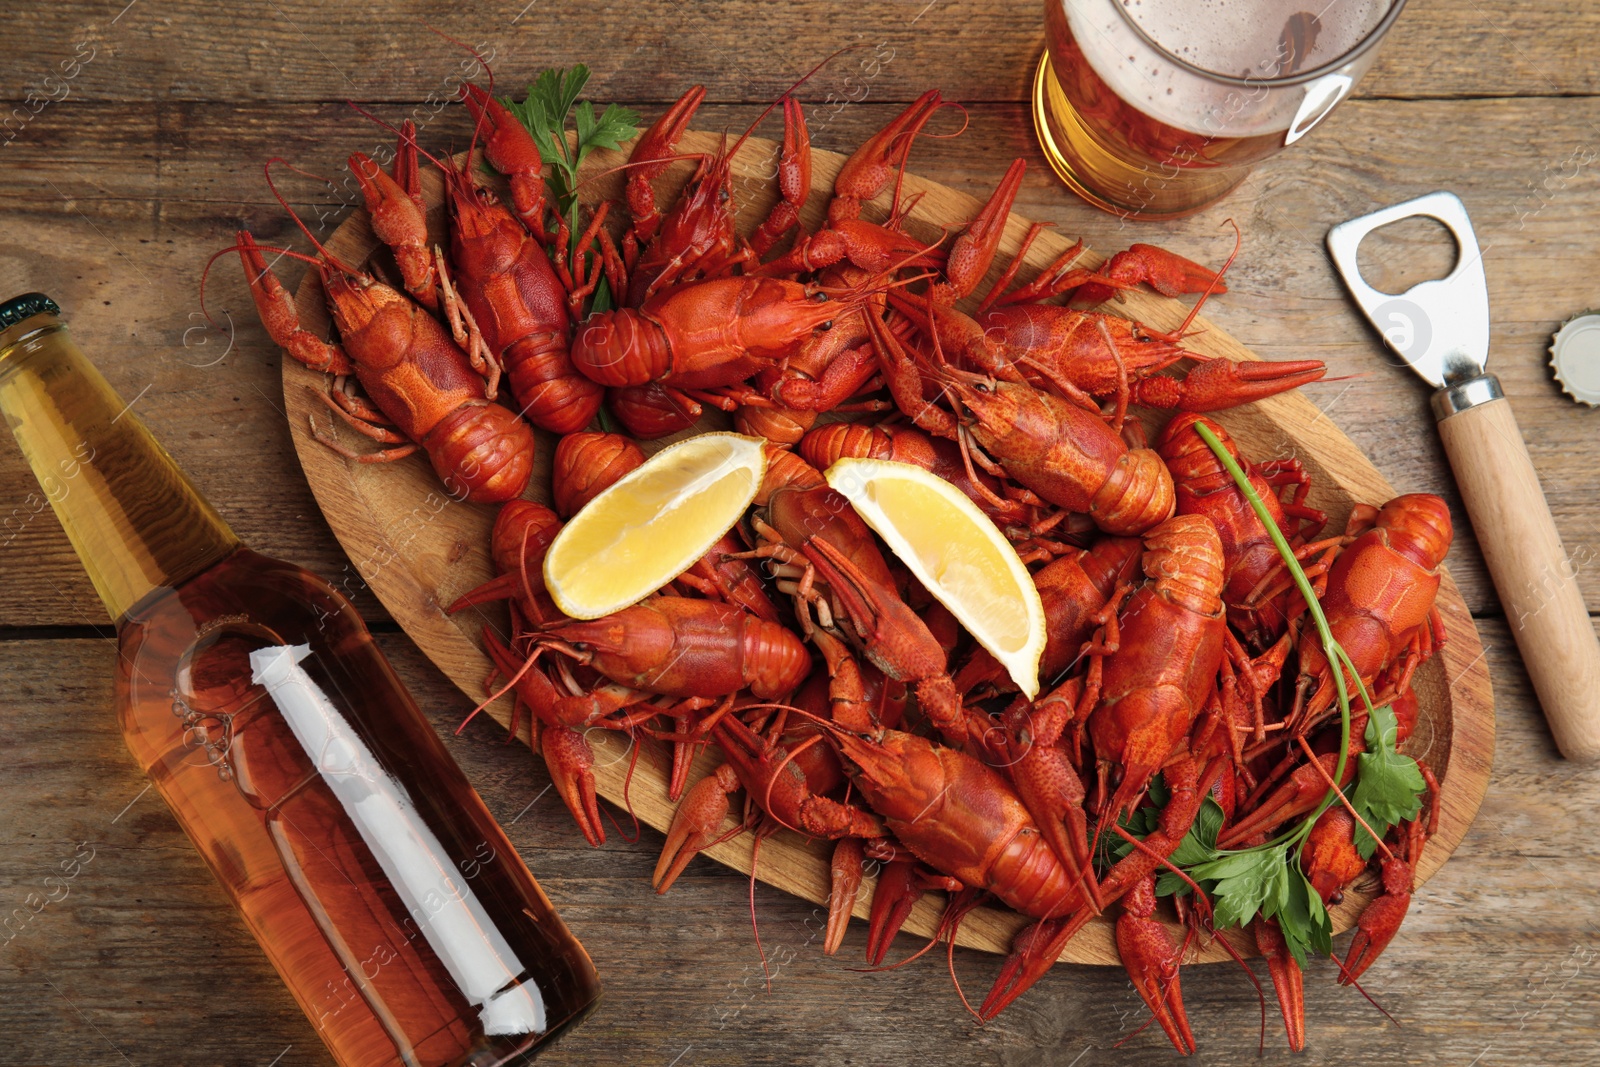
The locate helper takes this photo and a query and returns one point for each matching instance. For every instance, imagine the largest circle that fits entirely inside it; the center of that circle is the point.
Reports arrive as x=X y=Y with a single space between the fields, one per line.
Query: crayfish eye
x=820 y=298
x=827 y=325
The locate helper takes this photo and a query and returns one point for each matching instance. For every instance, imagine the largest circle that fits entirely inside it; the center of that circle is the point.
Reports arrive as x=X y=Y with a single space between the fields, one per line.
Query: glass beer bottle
x=251 y=693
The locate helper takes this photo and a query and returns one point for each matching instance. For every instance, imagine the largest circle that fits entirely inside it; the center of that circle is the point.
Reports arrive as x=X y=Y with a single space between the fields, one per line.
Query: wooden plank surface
x=149 y=157
x=740 y=49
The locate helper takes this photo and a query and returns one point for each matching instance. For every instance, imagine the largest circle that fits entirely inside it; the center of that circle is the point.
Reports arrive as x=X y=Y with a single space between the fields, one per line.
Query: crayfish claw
x=512 y=151
x=570 y=761
x=695 y=825
x=1287 y=980
x=1166 y=272
x=1152 y=963
x=866 y=173
x=849 y=859
x=973 y=251
x=1033 y=952
x=1380 y=921
x=1224 y=383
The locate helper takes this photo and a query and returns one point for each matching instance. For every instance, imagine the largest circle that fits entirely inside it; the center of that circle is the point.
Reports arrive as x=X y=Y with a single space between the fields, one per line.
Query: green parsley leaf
x=1263 y=880
x=1113 y=846
x=1157 y=792
x=1198 y=846
x=544 y=111
x=1388 y=787
x=1266 y=882
x=583 y=117
x=1301 y=918
x=602 y=298
x=551 y=97
x=1321 y=923
x=617 y=124
x=1246 y=883
x=614 y=126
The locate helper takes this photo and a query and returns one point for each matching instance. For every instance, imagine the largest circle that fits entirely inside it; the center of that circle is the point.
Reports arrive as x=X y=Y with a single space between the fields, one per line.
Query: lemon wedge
x=957 y=552
x=649 y=527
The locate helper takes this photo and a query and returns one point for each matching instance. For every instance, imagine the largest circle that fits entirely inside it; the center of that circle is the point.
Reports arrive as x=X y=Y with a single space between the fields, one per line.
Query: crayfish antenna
x=511 y=683
x=627 y=797
x=488 y=71
x=898 y=210
x=1346 y=978
x=401 y=135
x=251 y=247
x=755 y=928
x=266 y=170
x=500 y=587
x=959 y=905
x=481 y=114
x=1177 y=335
x=807 y=76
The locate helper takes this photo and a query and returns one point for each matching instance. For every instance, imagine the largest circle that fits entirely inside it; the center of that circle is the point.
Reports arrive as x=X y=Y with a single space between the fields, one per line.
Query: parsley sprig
x=1268 y=879
x=1338 y=659
x=551 y=98
x=1389 y=786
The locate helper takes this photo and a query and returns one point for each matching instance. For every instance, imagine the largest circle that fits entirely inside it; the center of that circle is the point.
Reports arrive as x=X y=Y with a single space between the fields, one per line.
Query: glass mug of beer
x=1154 y=109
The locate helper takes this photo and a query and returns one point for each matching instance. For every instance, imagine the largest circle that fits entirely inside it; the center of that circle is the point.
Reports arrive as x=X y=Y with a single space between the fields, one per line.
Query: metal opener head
x=1440 y=327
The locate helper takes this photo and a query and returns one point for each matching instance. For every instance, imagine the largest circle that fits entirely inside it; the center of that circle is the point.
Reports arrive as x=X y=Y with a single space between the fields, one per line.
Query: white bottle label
x=444 y=907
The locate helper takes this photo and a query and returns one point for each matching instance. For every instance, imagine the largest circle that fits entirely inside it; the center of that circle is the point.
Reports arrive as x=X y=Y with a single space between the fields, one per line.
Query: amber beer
x=1154 y=109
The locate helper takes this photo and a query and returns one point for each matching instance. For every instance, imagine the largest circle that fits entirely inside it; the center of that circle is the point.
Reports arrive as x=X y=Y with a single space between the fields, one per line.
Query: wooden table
x=146 y=161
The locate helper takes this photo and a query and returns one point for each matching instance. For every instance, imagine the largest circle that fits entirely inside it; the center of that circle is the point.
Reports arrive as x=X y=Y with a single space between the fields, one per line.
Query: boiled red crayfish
x=844 y=702
x=1061 y=452
x=425 y=393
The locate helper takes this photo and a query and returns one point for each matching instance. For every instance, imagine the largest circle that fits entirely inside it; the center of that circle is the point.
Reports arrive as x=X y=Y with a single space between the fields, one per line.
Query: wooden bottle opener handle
x=1535 y=579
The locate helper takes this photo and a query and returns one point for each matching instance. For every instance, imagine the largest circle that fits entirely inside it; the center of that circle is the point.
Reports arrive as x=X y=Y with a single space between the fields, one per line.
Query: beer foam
x=1236 y=38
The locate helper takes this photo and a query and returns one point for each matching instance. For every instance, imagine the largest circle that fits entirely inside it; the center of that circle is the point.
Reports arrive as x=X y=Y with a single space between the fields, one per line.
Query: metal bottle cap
x=1575 y=358
x=25 y=306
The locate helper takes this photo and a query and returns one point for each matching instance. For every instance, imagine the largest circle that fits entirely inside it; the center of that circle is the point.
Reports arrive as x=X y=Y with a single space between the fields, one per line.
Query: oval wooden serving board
x=419 y=549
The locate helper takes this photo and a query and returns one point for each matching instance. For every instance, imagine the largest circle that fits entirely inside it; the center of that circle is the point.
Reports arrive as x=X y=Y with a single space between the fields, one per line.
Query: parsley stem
x=1338 y=660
